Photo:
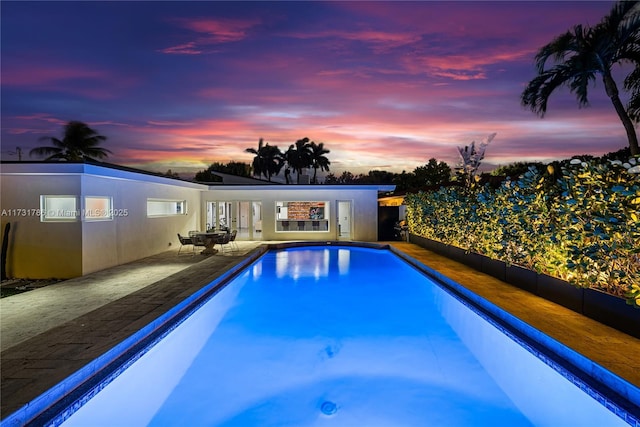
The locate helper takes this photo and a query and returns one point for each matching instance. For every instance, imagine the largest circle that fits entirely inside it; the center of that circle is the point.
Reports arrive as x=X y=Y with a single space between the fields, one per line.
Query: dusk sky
x=384 y=85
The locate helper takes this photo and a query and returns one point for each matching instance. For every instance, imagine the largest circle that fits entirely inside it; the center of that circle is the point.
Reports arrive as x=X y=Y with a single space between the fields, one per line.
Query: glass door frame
x=341 y=206
x=233 y=209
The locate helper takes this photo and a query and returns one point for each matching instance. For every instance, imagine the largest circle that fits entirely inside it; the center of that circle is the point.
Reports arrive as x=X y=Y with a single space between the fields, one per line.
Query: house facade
x=70 y=219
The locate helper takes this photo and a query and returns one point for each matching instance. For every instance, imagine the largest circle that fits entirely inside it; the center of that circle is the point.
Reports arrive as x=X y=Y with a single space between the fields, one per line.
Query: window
x=302 y=216
x=58 y=208
x=98 y=208
x=160 y=207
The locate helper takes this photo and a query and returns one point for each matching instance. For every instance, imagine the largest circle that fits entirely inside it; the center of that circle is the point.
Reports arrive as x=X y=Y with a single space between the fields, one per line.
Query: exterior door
x=256 y=221
x=212 y=215
x=249 y=220
x=242 y=220
x=345 y=223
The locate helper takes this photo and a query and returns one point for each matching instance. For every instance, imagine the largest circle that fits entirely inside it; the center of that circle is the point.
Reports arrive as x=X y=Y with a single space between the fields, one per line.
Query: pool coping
x=87 y=380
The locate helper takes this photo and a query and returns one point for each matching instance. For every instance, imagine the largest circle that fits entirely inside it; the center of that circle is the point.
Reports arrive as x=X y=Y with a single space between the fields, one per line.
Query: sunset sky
x=384 y=85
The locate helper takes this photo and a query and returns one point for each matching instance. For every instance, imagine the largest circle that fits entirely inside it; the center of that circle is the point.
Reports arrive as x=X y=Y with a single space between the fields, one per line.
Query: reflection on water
x=311 y=263
x=344 y=257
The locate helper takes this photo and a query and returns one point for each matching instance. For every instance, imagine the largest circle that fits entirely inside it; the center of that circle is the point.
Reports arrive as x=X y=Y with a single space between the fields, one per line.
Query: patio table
x=209 y=240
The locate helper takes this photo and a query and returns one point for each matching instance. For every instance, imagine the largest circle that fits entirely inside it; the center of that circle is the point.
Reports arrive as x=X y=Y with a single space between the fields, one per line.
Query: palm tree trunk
x=612 y=92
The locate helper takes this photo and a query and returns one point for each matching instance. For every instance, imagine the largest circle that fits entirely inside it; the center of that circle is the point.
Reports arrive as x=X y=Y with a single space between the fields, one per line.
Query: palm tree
x=298 y=156
x=274 y=160
x=584 y=52
x=268 y=160
x=79 y=142
x=258 y=162
x=318 y=159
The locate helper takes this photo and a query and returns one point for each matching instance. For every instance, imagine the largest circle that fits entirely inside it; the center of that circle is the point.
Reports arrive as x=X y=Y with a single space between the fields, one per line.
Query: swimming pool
x=340 y=336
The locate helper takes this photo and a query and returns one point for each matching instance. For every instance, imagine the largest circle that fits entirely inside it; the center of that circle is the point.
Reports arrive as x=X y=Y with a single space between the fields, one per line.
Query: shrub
x=580 y=223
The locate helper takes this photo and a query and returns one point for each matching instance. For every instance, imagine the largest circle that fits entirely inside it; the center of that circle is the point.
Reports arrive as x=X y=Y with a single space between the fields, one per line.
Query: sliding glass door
x=244 y=216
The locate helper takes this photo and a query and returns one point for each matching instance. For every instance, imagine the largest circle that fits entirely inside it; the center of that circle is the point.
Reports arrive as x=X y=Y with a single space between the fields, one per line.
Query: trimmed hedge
x=579 y=223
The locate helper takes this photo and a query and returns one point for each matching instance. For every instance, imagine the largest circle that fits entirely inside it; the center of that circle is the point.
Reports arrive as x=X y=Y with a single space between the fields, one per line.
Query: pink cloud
x=470 y=66
x=379 y=41
x=183 y=49
x=209 y=32
x=219 y=31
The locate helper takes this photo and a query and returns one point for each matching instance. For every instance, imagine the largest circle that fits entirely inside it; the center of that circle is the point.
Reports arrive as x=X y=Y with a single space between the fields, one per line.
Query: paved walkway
x=28 y=314
x=49 y=333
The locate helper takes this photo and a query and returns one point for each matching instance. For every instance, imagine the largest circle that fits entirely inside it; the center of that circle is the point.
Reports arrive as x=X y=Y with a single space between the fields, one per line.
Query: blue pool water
x=338 y=336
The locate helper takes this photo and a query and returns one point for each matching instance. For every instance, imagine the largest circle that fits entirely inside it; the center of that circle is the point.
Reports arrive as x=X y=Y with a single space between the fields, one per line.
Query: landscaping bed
x=17 y=286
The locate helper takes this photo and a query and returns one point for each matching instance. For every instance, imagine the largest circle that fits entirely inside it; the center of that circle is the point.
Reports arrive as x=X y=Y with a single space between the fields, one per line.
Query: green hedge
x=580 y=223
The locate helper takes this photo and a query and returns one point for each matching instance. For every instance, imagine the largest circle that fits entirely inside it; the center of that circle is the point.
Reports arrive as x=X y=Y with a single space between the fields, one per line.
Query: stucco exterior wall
x=40 y=250
x=364 y=205
x=69 y=249
x=131 y=234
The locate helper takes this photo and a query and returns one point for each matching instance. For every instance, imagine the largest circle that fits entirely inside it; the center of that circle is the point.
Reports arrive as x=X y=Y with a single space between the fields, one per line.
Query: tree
x=298 y=156
x=404 y=181
x=580 y=54
x=471 y=157
x=516 y=169
x=347 y=178
x=268 y=160
x=432 y=173
x=318 y=159
x=207 y=175
x=79 y=142
x=231 y=168
x=622 y=154
x=171 y=174
x=331 y=179
x=375 y=177
x=258 y=165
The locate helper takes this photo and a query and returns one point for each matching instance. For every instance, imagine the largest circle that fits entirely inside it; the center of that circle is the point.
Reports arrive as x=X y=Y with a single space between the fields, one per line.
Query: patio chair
x=184 y=241
x=232 y=240
x=223 y=240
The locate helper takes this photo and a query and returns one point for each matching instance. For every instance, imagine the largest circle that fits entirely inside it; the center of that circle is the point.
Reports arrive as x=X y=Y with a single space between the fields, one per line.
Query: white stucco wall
x=70 y=249
x=132 y=235
x=38 y=249
x=364 y=202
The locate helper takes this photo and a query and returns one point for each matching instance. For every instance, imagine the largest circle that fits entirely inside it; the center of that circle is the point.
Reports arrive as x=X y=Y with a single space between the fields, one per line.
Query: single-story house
x=69 y=219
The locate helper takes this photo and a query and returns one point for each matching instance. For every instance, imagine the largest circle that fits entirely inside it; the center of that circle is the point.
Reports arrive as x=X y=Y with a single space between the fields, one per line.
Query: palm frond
x=536 y=94
x=557 y=49
x=44 y=151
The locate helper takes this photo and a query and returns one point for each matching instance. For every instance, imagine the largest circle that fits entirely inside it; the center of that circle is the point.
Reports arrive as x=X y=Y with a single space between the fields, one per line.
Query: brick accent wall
x=300 y=210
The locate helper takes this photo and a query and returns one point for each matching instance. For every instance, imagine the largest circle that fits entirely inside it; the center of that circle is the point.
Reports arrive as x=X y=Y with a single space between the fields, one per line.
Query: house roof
x=109 y=170
x=106 y=170
x=229 y=179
